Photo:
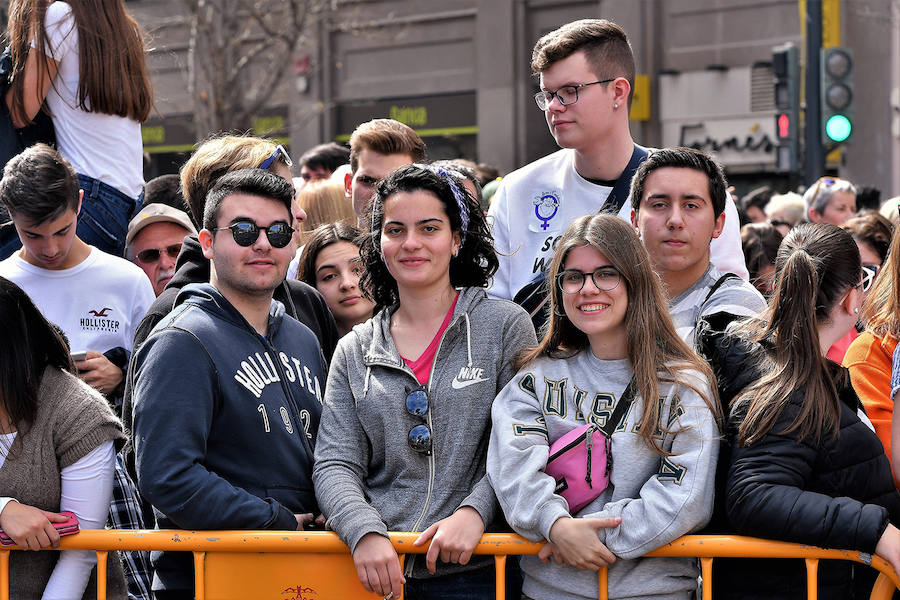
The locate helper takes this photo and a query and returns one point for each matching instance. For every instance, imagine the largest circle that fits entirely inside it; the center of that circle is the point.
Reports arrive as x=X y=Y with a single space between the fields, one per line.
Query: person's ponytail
x=816 y=266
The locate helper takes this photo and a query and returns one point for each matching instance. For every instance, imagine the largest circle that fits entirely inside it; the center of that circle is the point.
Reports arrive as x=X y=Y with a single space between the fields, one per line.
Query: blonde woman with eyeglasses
x=870 y=355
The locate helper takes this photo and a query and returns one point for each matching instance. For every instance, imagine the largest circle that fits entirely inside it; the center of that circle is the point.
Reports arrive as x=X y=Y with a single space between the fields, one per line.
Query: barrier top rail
x=706 y=547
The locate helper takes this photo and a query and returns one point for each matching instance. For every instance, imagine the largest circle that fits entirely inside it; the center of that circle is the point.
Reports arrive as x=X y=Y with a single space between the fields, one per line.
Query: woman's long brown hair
x=817 y=265
x=654 y=350
x=111 y=56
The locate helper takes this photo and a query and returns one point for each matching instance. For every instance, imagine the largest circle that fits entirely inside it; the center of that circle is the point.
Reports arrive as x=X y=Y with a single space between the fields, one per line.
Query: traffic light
x=786 y=69
x=836 y=77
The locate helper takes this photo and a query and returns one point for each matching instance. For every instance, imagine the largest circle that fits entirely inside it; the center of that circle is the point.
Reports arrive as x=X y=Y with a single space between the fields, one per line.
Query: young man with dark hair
x=378 y=147
x=227 y=390
x=319 y=162
x=586 y=71
x=95 y=298
x=678 y=207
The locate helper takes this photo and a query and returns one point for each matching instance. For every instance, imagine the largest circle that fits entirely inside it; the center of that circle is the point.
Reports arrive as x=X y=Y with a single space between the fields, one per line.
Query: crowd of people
x=591 y=352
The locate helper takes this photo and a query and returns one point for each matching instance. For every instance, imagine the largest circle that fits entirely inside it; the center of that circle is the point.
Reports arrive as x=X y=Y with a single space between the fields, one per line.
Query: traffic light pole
x=814 y=164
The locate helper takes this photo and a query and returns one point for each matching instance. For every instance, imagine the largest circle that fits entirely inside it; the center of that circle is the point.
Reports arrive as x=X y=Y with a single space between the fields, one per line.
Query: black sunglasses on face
x=151 y=255
x=245 y=233
x=419 y=436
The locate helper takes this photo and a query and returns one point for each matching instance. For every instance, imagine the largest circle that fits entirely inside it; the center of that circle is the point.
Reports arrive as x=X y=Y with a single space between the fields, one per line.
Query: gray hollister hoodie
x=367 y=478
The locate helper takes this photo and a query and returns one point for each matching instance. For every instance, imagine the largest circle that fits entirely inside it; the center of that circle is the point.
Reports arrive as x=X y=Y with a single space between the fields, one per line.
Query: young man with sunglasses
x=154 y=241
x=227 y=390
x=586 y=71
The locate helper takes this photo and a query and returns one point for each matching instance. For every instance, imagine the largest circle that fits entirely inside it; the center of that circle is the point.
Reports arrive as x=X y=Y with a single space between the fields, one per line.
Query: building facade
x=457 y=71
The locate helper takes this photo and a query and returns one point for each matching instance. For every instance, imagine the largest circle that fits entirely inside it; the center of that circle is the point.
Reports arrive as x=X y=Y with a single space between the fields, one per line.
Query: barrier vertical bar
x=4 y=574
x=812 y=579
x=706 y=577
x=101 y=574
x=402 y=558
x=200 y=575
x=603 y=583
x=500 y=576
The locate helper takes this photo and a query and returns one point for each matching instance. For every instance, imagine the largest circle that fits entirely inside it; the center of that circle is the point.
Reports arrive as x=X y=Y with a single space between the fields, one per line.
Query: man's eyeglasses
x=567 y=94
x=279 y=150
x=245 y=233
x=605 y=278
x=419 y=436
x=151 y=255
x=869 y=272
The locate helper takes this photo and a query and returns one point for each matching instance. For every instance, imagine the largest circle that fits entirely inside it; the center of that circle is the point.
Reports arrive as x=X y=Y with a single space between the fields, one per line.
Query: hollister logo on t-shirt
x=99 y=320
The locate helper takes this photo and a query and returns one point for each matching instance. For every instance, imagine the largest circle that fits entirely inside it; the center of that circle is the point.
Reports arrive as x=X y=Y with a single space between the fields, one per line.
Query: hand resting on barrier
x=453 y=538
x=575 y=543
x=30 y=528
x=378 y=565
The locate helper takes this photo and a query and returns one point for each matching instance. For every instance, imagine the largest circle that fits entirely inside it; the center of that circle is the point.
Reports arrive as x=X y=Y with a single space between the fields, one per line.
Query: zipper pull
x=589 y=444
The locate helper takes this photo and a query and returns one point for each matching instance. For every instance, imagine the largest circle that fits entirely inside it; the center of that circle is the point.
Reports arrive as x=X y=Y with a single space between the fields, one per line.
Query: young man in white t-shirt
x=586 y=73
x=95 y=298
x=677 y=198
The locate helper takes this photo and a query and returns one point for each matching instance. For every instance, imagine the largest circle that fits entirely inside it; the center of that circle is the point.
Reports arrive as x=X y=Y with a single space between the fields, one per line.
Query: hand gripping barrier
x=297 y=565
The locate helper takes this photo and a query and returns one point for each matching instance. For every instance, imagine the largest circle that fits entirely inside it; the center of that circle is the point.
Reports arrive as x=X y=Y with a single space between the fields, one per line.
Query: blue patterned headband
x=451 y=177
x=459 y=195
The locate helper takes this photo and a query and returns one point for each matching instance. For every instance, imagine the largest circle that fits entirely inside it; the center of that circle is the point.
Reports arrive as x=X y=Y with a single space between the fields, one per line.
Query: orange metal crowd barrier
x=287 y=565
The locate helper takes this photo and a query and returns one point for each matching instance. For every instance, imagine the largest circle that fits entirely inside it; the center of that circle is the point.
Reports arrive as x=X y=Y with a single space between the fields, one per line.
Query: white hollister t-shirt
x=97 y=303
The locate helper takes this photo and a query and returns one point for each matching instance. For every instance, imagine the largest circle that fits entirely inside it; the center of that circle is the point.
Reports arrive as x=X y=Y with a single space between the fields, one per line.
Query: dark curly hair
x=475 y=263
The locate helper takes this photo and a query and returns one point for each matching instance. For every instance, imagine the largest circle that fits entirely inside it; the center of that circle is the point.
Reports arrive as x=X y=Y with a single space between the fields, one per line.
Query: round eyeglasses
x=605 y=278
x=245 y=233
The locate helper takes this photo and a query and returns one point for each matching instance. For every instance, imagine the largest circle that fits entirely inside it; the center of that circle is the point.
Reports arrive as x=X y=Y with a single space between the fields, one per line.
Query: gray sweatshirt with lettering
x=367 y=477
x=659 y=498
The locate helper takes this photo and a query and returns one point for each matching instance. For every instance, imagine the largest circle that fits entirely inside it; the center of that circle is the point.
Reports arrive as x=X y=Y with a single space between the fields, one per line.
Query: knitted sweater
x=72 y=419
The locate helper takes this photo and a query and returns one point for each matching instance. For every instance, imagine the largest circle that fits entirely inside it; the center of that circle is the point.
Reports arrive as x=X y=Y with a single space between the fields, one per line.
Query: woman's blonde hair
x=881 y=310
x=324 y=202
x=217 y=156
x=653 y=348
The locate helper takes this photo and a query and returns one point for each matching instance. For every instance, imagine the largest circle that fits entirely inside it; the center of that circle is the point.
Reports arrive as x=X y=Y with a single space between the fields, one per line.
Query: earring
x=856 y=311
x=615 y=106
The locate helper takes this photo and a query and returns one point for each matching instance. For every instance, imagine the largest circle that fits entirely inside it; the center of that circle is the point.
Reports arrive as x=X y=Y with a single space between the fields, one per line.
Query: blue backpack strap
x=622 y=189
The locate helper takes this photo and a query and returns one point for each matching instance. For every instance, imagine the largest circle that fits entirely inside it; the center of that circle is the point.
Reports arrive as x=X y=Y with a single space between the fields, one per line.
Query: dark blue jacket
x=224 y=422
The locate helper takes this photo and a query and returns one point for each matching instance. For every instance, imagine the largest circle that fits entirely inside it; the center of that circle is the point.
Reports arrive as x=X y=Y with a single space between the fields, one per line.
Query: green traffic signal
x=838 y=128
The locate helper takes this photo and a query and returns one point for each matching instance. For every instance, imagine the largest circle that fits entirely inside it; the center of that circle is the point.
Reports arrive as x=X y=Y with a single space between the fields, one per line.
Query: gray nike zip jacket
x=366 y=476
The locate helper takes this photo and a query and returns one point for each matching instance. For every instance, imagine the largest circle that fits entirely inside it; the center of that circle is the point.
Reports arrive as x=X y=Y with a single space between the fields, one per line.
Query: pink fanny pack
x=581 y=460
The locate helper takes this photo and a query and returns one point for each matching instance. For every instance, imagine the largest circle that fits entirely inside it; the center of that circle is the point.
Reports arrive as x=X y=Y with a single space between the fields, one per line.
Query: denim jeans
x=469 y=585
x=105 y=213
x=9 y=239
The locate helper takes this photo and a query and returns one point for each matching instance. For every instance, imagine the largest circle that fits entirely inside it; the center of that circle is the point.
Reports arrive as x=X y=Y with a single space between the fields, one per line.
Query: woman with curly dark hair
x=402 y=444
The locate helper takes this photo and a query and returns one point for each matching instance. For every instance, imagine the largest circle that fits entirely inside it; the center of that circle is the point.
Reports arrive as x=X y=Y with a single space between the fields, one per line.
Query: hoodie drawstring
x=468 y=338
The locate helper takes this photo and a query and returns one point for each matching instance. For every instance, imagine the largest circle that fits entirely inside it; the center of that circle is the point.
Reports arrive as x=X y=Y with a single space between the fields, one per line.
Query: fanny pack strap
x=621 y=408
